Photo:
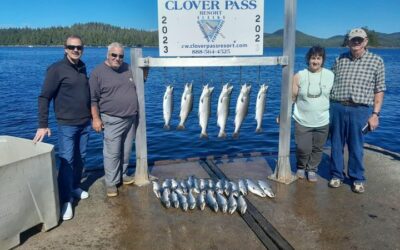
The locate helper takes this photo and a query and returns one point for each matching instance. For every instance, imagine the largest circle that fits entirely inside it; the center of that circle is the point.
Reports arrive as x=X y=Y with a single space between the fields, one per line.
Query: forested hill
x=99 y=34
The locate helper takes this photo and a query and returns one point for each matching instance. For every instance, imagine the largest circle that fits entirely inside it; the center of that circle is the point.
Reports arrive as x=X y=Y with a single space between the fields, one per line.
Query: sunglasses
x=357 y=40
x=116 y=55
x=73 y=47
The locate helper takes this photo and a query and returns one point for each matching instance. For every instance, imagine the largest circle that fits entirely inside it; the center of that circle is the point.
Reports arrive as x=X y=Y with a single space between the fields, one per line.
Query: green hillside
x=99 y=34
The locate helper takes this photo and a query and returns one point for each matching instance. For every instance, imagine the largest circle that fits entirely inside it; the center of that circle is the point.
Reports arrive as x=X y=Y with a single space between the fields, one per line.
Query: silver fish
x=242 y=205
x=182 y=183
x=186 y=105
x=242 y=106
x=189 y=182
x=191 y=200
x=201 y=200
x=223 y=109
x=210 y=184
x=232 y=204
x=219 y=186
x=166 y=183
x=226 y=187
x=211 y=201
x=222 y=202
x=252 y=187
x=205 y=109
x=157 y=189
x=202 y=184
x=173 y=197
x=165 y=198
x=242 y=187
x=234 y=188
x=183 y=201
x=168 y=105
x=196 y=187
x=266 y=188
x=260 y=106
x=174 y=184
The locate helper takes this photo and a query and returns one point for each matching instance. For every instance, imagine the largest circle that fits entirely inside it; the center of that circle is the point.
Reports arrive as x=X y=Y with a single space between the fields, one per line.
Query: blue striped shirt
x=357 y=80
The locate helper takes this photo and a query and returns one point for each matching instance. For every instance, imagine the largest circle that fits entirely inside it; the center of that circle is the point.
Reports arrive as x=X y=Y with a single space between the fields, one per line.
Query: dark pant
x=72 y=141
x=346 y=128
x=309 y=145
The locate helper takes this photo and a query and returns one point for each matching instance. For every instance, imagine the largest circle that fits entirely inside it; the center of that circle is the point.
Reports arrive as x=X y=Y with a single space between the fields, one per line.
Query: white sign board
x=210 y=27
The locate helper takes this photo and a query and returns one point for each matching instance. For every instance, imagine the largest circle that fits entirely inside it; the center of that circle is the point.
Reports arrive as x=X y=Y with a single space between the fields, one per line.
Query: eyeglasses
x=73 y=47
x=357 y=40
x=309 y=95
x=116 y=55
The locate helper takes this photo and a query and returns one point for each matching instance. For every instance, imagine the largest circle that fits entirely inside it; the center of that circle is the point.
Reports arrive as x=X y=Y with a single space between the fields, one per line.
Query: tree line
x=93 y=34
x=100 y=34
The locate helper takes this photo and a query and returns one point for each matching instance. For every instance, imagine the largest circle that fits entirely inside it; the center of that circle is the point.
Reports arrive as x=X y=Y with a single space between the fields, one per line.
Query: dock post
x=283 y=172
x=141 y=173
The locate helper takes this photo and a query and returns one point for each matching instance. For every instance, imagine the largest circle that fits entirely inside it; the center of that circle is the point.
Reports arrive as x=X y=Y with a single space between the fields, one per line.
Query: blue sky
x=321 y=18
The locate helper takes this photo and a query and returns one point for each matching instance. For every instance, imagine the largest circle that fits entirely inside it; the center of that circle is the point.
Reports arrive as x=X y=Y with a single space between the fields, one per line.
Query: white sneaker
x=66 y=212
x=80 y=194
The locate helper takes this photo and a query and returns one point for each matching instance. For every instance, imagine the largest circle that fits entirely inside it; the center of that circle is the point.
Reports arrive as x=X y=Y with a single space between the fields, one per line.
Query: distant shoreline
x=105 y=46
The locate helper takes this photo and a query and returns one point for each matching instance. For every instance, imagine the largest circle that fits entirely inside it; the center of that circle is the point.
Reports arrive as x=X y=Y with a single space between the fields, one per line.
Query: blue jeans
x=346 y=128
x=72 y=141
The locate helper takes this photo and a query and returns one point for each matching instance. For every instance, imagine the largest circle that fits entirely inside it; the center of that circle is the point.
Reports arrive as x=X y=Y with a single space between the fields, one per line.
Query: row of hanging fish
x=241 y=110
x=227 y=196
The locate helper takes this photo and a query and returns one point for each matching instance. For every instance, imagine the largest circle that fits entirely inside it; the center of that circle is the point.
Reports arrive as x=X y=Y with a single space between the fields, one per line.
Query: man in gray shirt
x=114 y=108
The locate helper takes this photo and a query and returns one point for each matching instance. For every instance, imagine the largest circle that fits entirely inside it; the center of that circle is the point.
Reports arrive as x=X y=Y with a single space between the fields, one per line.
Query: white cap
x=357 y=33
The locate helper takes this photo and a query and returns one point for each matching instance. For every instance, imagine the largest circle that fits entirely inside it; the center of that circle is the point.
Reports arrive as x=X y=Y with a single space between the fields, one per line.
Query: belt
x=350 y=103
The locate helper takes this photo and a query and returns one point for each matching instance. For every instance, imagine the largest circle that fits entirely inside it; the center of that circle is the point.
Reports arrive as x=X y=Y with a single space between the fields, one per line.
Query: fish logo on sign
x=211 y=28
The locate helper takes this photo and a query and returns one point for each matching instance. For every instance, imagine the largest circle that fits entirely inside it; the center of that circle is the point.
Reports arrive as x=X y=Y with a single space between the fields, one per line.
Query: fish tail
x=166 y=126
x=204 y=135
x=258 y=130
x=235 y=135
x=222 y=134
x=180 y=127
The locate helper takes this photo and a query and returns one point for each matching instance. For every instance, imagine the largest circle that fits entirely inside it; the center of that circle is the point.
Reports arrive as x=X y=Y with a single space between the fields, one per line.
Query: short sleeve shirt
x=358 y=80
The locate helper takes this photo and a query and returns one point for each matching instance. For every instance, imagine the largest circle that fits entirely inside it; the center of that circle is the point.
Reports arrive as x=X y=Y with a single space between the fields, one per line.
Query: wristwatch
x=376 y=113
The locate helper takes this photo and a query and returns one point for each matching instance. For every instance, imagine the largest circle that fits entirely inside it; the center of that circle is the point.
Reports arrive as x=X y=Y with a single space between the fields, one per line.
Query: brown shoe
x=112 y=191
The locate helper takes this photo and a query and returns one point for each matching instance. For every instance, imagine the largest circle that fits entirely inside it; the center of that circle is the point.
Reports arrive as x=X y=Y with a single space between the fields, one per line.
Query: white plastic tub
x=28 y=188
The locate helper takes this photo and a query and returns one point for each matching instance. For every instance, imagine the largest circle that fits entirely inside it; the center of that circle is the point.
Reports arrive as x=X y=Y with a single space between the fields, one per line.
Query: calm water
x=22 y=71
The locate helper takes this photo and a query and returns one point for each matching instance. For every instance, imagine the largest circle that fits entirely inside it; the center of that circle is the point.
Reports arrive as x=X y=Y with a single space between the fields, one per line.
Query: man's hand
x=97 y=125
x=41 y=133
x=373 y=122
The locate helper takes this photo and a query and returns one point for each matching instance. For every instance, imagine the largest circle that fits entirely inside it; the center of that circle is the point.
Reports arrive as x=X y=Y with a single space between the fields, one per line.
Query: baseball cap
x=357 y=33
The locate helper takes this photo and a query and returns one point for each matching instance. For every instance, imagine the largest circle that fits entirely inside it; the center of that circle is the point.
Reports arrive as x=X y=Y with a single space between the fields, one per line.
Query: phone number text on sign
x=210 y=27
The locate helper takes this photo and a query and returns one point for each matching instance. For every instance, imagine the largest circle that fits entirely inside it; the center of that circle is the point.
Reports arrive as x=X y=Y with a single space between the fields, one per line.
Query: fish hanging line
x=183 y=74
x=240 y=75
x=222 y=75
x=202 y=75
x=259 y=74
x=165 y=76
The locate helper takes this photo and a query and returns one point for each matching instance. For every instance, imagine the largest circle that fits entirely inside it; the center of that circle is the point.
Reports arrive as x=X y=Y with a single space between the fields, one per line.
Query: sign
x=210 y=27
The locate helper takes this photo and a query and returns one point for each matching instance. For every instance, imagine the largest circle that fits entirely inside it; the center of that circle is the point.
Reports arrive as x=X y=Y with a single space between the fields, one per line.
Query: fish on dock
x=201 y=200
x=157 y=189
x=165 y=198
x=211 y=201
x=254 y=188
x=241 y=204
x=232 y=204
x=266 y=188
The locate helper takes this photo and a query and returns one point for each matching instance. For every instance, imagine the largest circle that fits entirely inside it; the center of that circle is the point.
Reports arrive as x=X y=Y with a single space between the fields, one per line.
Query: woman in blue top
x=311 y=89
